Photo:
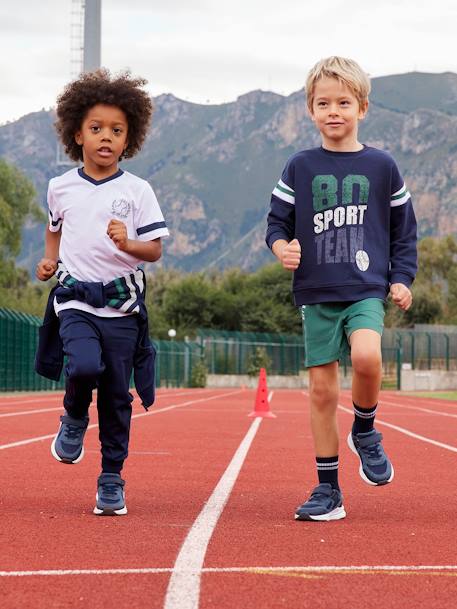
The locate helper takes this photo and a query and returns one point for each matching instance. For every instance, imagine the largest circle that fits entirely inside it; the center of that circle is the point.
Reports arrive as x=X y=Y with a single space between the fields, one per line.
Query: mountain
x=213 y=166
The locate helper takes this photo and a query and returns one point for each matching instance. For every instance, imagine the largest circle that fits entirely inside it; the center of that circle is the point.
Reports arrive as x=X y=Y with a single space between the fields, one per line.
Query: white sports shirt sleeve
x=148 y=217
x=55 y=215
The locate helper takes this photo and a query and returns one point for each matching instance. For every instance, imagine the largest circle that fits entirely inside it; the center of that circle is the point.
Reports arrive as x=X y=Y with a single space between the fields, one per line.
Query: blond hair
x=346 y=71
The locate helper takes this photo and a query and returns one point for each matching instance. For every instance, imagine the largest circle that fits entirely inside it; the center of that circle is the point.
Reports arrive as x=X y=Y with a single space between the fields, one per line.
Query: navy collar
x=84 y=175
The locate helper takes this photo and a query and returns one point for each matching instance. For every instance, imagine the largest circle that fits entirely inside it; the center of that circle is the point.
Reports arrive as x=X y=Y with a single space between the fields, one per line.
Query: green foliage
x=232 y=300
x=252 y=302
x=256 y=360
x=199 y=374
x=17 y=202
x=435 y=288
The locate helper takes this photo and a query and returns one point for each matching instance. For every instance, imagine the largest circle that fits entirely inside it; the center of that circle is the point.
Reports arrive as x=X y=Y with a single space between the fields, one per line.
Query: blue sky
x=210 y=52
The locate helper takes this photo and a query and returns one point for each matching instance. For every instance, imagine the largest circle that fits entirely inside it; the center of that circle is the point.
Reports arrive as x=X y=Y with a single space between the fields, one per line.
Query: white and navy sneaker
x=67 y=446
x=324 y=503
x=110 y=497
x=375 y=467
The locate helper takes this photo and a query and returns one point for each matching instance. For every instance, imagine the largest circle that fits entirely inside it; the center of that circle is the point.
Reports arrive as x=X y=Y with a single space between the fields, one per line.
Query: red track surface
x=178 y=457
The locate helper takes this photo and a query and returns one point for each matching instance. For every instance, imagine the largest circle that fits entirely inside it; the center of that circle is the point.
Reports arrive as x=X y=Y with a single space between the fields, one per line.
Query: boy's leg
x=81 y=343
x=366 y=377
x=114 y=404
x=325 y=502
x=375 y=467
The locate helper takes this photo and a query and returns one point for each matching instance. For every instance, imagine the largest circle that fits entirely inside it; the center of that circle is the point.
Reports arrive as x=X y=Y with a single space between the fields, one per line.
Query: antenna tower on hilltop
x=85 y=38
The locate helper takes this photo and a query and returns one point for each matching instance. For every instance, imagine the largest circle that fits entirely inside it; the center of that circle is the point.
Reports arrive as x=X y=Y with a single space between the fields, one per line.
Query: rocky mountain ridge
x=213 y=167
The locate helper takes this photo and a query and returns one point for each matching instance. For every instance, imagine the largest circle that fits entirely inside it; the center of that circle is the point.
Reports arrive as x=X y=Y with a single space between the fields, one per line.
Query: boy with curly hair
x=342 y=219
x=103 y=222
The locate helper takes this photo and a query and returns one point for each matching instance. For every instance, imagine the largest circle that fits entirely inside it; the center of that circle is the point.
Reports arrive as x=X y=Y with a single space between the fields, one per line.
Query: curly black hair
x=99 y=87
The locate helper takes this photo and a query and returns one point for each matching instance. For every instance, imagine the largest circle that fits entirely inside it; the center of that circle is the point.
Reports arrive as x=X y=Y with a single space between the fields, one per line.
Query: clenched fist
x=290 y=255
x=401 y=295
x=117 y=231
x=45 y=269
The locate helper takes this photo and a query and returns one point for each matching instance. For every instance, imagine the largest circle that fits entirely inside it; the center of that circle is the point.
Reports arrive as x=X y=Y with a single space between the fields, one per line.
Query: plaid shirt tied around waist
x=124 y=293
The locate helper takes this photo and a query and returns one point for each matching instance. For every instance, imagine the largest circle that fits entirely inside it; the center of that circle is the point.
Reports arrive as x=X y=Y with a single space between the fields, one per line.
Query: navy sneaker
x=67 y=446
x=324 y=503
x=110 y=496
x=375 y=467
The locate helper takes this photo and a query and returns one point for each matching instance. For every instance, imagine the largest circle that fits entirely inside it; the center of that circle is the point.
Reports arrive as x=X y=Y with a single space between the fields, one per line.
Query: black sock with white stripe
x=363 y=418
x=327 y=470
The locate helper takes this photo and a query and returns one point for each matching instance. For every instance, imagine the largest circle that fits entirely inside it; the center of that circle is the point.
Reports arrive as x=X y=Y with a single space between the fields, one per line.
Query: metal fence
x=18 y=342
x=224 y=352
x=175 y=362
x=236 y=352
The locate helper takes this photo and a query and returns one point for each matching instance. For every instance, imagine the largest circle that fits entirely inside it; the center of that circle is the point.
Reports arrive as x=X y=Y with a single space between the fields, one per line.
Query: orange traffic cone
x=262 y=407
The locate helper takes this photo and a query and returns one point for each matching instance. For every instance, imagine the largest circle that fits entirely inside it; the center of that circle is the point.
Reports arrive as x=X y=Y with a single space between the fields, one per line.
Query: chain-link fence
x=224 y=352
x=235 y=352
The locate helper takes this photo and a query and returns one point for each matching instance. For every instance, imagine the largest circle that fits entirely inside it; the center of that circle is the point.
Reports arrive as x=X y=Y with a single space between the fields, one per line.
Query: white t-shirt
x=83 y=208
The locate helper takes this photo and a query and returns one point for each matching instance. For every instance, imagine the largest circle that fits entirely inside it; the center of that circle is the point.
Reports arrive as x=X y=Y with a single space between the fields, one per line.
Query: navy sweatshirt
x=354 y=219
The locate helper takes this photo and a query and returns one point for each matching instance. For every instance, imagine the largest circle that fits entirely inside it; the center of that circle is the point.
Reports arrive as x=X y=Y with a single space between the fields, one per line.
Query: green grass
x=443 y=395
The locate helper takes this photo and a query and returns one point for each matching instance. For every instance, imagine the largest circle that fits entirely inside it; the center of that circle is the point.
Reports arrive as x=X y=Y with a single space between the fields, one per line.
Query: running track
x=211 y=495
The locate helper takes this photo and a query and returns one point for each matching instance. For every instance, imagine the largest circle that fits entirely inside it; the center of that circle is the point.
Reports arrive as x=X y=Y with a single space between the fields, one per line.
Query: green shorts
x=328 y=326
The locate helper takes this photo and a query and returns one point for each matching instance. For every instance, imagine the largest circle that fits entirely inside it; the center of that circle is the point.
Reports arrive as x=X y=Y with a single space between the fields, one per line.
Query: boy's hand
x=45 y=269
x=291 y=255
x=117 y=231
x=401 y=295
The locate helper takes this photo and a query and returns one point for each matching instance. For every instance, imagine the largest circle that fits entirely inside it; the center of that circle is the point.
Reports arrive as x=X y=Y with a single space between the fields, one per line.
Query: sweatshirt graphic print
x=354 y=219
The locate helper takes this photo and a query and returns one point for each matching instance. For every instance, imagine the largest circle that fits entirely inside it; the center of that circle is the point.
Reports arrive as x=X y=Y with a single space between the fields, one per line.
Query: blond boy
x=342 y=219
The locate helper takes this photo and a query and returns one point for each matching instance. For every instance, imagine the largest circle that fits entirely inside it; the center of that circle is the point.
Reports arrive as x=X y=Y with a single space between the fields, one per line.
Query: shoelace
x=318 y=495
x=110 y=488
x=72 y=432
x=373 y=451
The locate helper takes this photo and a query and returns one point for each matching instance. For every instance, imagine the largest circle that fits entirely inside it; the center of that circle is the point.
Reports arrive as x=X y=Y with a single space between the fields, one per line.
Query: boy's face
x=336 y=112
x=103 y=137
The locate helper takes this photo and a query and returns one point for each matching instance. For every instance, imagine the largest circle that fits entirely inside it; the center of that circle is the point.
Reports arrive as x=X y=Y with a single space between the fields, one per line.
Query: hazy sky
x=213 y=51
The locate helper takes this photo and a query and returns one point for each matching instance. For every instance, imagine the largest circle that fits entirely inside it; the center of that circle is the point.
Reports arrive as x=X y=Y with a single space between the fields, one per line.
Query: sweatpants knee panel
x=84 y=370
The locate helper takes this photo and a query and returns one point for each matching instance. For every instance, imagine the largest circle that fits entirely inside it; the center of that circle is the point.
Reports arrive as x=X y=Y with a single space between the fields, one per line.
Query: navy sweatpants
x=100 y=354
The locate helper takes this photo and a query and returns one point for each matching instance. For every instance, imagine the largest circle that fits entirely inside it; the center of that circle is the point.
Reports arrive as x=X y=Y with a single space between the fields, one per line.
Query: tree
x=17 y=203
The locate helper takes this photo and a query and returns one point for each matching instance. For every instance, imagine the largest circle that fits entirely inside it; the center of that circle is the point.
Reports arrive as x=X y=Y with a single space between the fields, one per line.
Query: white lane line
x=25 y=412
x=270 y=395
x=160 y=396
x=183 y=590
x=427 y=410
x=39 y=398
x=406 y=432
x=276 y=569
x=135 y=416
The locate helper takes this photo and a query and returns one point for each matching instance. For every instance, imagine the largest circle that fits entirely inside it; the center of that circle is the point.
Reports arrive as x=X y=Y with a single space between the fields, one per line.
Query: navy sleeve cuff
x=403 y=278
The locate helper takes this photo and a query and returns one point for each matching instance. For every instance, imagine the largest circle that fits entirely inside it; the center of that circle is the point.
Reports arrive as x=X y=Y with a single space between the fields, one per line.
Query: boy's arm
x=48 y=265
x=149 y=251
x=403 y=244
x=281 y=219
x=288 y=254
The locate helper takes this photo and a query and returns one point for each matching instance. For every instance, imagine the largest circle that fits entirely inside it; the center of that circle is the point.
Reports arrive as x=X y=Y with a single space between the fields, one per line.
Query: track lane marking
x=400 y=429
x=25 y=412
x=160 y=396
x=135 y=416
x=427 y=410
x=349 y=569
x=183 y=590
x=407 y=432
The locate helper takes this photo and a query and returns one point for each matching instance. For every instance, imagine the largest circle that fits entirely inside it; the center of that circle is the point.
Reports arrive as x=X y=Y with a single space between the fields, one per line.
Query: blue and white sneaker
x=375 y=467
x=67 y=446
x=324 y=503
x=110 y=496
